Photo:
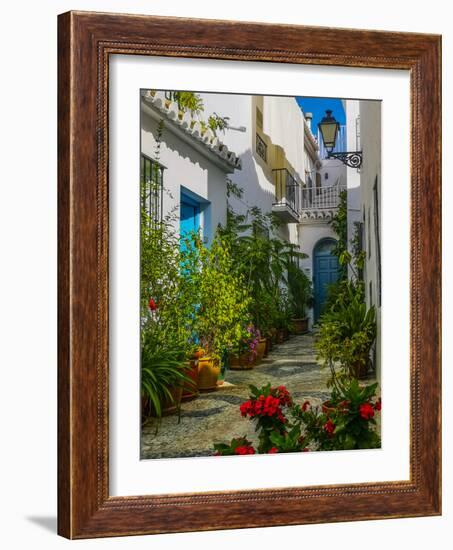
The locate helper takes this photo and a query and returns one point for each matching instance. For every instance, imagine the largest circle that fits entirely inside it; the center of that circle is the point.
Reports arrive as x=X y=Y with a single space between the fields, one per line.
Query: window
x=151 y=187
x=261 y=147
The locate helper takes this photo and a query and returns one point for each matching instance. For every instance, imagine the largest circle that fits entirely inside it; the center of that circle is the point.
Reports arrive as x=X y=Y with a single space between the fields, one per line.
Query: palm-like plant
x=161 y=370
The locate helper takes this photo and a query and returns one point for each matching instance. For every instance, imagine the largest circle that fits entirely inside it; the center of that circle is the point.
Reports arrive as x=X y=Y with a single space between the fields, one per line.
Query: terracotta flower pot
x=245 y=361
x=269 y=344
x=300 y=326
x=170 y=406
x=359 y=369
x=190 y=390
x=280 y=336
x=208 y=373
x=261 y=349
x=198 y=353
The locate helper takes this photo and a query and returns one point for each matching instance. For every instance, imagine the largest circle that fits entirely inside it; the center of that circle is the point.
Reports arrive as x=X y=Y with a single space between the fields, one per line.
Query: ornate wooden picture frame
x=86 y=40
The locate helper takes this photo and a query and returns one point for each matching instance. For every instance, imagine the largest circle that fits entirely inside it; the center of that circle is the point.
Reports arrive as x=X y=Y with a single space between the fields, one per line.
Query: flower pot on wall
x=359 y=369
x=190 y=389
x=261 y=349
x=300 y=326
x=208 y=373
x=269 y=346
x=170 y=406
x=245 y=361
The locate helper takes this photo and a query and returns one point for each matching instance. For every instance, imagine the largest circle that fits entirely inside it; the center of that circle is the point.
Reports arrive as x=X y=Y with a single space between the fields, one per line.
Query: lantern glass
x=329 y=130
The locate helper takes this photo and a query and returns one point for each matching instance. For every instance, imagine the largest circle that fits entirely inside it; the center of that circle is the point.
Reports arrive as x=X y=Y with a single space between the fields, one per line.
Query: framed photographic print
x=249 y=275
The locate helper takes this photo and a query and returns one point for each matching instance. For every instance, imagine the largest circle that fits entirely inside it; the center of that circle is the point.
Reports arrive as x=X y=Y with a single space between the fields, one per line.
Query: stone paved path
x=215 y=417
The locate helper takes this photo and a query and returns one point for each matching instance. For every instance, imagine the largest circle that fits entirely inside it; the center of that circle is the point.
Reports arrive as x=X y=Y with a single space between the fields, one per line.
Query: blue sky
x=318 y=106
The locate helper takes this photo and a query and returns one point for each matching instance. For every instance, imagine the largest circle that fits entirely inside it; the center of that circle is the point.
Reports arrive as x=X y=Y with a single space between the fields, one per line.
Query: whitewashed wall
x=256 y=182
x=186 y=167
x=370 y=129
x=352 y=109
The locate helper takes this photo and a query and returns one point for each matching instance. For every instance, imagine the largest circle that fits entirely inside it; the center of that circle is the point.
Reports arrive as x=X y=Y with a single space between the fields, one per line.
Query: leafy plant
x=339 y=224
x=237 y=446
x=223 y=300
x=161 y=370
x=300 y=290
x=346 y=421
x=346 y=335
x=263 y=261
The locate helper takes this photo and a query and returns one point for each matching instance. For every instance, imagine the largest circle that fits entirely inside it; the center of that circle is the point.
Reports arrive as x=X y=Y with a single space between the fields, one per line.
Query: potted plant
x=163 y=375
x=300 y=293
x=346 y=335
x=222 y=316
x=190 y=390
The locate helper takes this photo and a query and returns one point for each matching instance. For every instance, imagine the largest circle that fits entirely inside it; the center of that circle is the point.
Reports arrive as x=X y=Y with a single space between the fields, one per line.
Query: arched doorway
x=325 y=272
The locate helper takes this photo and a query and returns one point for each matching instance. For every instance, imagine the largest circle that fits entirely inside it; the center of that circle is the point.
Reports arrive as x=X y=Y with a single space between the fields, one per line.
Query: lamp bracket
x=353 y=159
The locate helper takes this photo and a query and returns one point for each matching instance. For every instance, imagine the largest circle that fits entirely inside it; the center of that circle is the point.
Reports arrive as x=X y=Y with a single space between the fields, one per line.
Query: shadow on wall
x=246 y=178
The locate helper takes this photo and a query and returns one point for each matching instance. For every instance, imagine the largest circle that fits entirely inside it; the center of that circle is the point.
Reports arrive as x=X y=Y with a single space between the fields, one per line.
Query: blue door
x=189 y=217
x=325 y=272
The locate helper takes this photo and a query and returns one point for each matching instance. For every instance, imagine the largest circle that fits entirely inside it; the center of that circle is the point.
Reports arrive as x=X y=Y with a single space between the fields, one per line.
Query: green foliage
x=238 y=445
x=347 y=421
x=161 y=369
x=266 y=262
x=347 y=327
x=346 y=335
x=300 y=290
x=224 y=302
x=216 y=122
x=339 y=224
x=290 y=441
x=188 y=101
x=193 y=102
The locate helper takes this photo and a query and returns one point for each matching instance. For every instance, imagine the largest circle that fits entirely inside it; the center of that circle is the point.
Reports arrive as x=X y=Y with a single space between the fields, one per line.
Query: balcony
x=287 y=196
x=319 y=203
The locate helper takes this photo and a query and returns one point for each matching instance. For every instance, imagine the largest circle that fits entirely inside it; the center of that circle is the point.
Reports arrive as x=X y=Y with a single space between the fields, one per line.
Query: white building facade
x=268 y=150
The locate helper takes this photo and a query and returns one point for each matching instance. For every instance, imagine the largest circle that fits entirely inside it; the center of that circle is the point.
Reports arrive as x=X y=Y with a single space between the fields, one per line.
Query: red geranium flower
x=378 y=405
x=152 y=305
x=244 y=450
x=305 y=406
x=247 y=408
x=272 y=451
x=329 y=427
x=366 y=411
x=284 y=396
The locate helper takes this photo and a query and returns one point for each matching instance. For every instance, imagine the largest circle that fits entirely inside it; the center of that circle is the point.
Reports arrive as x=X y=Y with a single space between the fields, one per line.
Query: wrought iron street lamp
x=329 y=128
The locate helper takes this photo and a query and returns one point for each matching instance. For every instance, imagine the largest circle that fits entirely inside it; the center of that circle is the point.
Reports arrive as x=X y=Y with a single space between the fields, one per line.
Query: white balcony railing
x=321 y=198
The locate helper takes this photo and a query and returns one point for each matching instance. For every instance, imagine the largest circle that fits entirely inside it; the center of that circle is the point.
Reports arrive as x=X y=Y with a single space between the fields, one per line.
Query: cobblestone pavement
x=215 y=417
